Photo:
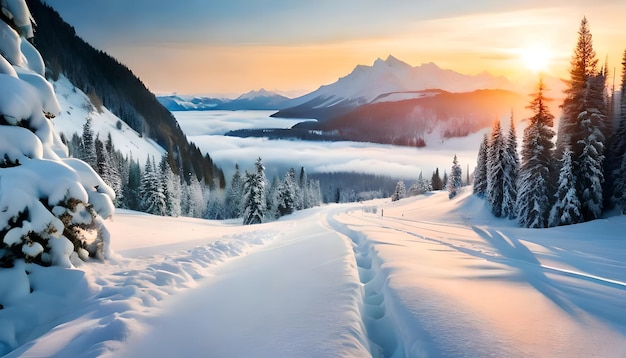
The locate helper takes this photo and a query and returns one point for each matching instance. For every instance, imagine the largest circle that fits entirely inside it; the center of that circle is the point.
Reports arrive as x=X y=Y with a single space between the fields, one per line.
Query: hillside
x=425 y=118
x=104 y=78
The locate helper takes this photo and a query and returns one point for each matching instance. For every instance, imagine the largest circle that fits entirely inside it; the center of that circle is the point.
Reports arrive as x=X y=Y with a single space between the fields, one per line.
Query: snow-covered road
x=431 y=278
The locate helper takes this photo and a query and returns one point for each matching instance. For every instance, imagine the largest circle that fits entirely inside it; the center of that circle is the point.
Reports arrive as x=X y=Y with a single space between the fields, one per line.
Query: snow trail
x=379 y=323
x=298 y=296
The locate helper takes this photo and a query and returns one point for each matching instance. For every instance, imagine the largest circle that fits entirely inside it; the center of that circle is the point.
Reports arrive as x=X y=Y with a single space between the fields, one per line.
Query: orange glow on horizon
x=516 y=45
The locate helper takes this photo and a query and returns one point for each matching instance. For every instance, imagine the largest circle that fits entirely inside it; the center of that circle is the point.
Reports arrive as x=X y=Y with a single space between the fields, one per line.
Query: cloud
x=279 y=155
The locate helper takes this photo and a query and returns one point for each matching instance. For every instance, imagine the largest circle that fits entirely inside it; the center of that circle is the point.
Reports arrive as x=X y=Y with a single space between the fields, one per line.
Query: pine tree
x=304 y=193
x=511 y=170
x=583 y=124
x=583 y=66
x=254 y=195
x=89 y=148
x=566 y=209
x=534 y=191
x=132 y=187
x=172 y=189
x=495 y=170
x=151 y=190
x=456 y=179
x=399 y=192
x=615 y=168
x=234 y=195
x=436 y=181
x=480 y=173
x=286 y=200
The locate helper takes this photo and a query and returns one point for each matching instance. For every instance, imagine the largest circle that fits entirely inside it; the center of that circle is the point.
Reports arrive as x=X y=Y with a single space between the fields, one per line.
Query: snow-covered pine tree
x=583 y=66
x=113 y=177
x=566 y=209
x=480 y=173
x=444 y=181
x=234 y=195
x=511 y=171
x=196 y=198
x=399 y=192
x=495 y=170
x=583 y=124
x=533 y=186
x=286 y=195
x=52 y=205
x=151 y=190
x=89 y=146
x=172 y=189
x=420 y=186
x=254 y=195
x=455 y=182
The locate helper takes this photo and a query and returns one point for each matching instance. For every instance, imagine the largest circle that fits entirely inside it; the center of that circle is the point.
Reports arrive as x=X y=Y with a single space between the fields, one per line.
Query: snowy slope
x=425 y=276
x=76 y=108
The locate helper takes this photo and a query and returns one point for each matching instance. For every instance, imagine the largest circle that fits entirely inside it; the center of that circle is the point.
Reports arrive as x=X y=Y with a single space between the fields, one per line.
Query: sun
x=536 y=59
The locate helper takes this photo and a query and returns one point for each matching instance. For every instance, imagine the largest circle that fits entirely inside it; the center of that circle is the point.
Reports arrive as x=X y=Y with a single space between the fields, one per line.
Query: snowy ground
x=424 y=276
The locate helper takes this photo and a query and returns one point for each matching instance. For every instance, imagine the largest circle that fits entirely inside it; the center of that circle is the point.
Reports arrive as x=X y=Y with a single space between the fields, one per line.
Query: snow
x=77 y=108
x=424 y=276
x=367 y=83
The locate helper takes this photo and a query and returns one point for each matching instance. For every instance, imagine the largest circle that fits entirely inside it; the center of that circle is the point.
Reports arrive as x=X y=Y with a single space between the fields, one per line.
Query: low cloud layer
x=279 y=155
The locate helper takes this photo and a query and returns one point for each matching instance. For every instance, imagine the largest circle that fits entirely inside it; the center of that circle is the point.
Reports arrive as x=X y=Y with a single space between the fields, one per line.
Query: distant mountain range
x=387 y=80
x=392 y=102
x=253 y=100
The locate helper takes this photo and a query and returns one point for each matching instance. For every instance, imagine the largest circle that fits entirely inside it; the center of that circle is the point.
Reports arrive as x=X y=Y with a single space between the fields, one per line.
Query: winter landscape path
x=433 y=277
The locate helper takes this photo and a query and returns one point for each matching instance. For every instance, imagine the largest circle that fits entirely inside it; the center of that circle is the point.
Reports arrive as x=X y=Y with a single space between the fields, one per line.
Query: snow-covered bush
x=51 y=206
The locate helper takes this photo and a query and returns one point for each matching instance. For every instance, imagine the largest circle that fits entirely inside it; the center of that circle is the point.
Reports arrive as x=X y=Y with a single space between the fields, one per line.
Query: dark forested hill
x=97 y=73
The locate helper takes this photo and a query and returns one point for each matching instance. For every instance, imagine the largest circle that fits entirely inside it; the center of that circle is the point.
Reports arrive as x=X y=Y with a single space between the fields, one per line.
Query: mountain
x=428 y=117
x=253 y=100
x=109 y=82
x=385 y=80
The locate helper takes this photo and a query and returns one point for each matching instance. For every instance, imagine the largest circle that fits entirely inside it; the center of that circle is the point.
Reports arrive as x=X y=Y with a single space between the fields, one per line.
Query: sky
x=229 y=47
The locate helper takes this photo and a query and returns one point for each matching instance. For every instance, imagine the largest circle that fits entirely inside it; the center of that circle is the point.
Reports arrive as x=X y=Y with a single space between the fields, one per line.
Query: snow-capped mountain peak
x=365 y=83
x=256 y=94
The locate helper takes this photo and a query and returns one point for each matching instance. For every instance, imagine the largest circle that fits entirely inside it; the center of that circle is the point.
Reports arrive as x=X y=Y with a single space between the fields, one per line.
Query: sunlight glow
x=536 y=59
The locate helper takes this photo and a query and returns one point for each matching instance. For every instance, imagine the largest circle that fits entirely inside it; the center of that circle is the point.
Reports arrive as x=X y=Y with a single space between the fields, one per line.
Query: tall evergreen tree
x=254 y=195
x=534 y=190
x=172 y=189
x=511 y=170
x=583 y=66
x=286 y=199
x=152 y=198
x=455 y=182
x=399 y=192
x=480 y=173
x=303 y=188
x=89 y=148
x=566 y=209
x=583 y=124
x=436 y=182
x=495 y=171
x=615 y=167
x=234 y=194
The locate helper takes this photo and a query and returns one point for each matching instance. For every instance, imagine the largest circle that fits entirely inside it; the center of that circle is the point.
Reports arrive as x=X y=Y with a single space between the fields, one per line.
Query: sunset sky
x=228 y=47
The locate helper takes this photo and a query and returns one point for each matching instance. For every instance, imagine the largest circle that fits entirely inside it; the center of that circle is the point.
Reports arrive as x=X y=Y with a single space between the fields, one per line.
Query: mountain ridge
x=366 y=83
x=261 y=99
